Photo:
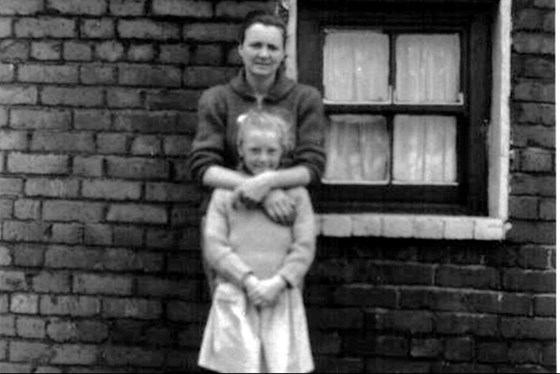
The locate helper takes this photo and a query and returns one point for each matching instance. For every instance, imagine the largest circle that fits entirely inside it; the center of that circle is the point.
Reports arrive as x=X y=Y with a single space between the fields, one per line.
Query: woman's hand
x=253 y=190
x=264 y=292
x=280 y=207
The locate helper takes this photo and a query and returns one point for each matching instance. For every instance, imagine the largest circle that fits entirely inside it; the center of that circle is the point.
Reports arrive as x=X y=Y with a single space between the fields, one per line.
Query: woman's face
x=260 y=150
x=262 y=50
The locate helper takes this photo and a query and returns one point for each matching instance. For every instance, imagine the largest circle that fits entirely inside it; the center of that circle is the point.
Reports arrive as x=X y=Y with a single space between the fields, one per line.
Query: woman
x=261 y=84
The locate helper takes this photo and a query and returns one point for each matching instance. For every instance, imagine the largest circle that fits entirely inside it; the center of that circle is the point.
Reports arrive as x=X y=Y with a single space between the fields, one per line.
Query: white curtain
x=357 y=149
x=427 y=68
x=425 y=149
x=356 y=66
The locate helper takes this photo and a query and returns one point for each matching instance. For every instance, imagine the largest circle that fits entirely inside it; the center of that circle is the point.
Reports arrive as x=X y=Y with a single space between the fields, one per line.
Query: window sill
x=412 y=226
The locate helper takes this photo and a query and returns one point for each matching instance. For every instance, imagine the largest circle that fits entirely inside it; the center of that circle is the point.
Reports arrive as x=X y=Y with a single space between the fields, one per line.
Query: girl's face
x=260 y=150
x=262 y=50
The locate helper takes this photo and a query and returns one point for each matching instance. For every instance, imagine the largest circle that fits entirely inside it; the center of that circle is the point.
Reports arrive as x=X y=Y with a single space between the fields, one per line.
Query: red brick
x=109 y=51
x=127 y=7
x=13 y=281
x=40 y=119
x=112 y=190
x=532 y=232
x=52 y=187
x=13 y=140
x=202 y=77
x=533 y=43
x=6 y=209
x=137 y=213
x=5 y=256
x=177 y=145
x=15 y=368
x=14 y=50
x=11 y=186
x=21 y=7
x=131 y=308
x=82 y=7
x=527 y=280
x=528 y=19
x=5 y=27
x=184 y=8
x=186 y=312
x=61 y=210
x=98 y=234
x=524 y=352
x=82 y=331
x=525 y=207
x=172 y=192
x=124 y=98
x=11 y=94
x=4 y=304
x=103 y=28
x=425 y=347
x=239 y=9
x=146 y=145
x=49 y=50
x=45 y=27
x=33 y=231
x=63 y=142
x=99 y=75
x=87 y=166
x=532 y=185
x=74 y=354
x=535 y=160
x=112 y=143
x=208 y=54
x=133 y=356
x=533 y=136
x=30 y=352
x=172 y=100
x=78 y=96
x=29 y=327
x=27 y=209
x=547 y=209
x=102 y=284
x=533 y=90
x=160 y=238
x=128 y=236
x=50 y=281
x=174 y=53
x=7 y=72
x=7 y=325
x=365 y=294
x=146 y=122
x=152 y=286
x=68 y=233
x=24 y=303
x=29 y=255
x=211 y=32
x=342 y=365
x=535 y=67
x=137 y=168
x=148 y=29
x=77 y=51
x=459 y=349
x=82 y=306
x=549 y=354
x=141 y=52
x=73 y=257
x=153 y=76
x=409 y=321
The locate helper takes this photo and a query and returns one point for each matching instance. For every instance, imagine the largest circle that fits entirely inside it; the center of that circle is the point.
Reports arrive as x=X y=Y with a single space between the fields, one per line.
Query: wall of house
x=99 y=258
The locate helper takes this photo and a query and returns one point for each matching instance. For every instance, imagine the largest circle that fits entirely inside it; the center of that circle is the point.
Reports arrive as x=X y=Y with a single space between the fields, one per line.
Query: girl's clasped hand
x=264 y=292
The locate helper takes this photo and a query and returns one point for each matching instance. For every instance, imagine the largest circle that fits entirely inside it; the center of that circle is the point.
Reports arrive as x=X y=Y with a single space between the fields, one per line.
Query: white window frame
x=434 y=226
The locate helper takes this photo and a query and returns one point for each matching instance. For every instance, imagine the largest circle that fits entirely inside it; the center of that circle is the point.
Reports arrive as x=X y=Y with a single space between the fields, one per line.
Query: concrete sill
x=412 y=226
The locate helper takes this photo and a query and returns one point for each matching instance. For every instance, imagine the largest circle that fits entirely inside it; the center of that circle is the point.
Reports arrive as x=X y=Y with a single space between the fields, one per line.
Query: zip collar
x=281 y=87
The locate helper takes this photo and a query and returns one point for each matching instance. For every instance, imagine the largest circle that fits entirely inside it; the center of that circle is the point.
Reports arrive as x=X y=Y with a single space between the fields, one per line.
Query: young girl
x=257 y=321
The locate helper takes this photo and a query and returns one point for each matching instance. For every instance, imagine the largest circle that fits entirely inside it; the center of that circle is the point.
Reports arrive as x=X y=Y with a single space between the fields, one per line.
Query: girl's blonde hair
x=265 y=120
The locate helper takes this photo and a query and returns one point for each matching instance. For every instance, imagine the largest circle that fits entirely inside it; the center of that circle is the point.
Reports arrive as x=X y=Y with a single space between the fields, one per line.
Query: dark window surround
x=472 y=19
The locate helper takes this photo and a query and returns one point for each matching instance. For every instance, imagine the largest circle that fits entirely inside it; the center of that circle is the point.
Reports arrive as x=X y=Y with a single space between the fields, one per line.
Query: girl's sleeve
x=208 y=145
x=309 y=150
x=302 y=250
x=216 y=247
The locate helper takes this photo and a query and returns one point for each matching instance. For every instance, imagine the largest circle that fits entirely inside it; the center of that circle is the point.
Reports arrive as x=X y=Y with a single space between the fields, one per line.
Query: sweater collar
x=281 y=87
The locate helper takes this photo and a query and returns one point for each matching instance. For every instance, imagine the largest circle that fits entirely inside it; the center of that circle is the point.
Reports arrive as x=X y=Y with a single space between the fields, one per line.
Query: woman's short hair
x=266 y=120
x=265 y=18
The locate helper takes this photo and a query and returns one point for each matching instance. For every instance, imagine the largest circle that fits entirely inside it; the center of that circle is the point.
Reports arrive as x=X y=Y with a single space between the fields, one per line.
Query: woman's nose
x=264 y=52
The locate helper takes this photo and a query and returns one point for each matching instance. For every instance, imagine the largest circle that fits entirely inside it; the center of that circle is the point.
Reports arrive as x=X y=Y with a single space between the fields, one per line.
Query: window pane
x=425 y=149
x=357 y=149
x=356 y=66
x=428 y=68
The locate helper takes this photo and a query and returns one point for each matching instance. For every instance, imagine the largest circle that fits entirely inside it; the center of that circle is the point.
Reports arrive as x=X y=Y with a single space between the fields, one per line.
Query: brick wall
x=99 y=257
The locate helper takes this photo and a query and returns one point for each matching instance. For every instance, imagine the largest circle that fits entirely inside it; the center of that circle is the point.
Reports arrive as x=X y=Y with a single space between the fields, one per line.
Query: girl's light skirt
x=241 y=338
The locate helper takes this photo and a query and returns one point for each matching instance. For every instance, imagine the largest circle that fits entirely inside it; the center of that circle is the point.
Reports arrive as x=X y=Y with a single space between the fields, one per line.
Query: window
x=407 y=90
